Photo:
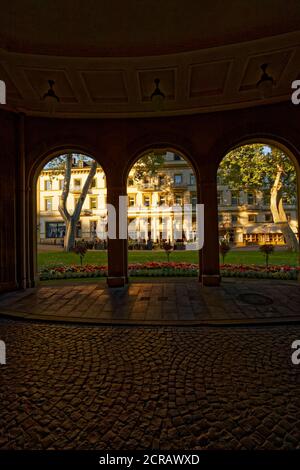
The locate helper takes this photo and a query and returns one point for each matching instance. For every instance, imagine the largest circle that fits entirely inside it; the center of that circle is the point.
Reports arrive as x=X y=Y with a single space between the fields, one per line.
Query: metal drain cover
x=255 y=299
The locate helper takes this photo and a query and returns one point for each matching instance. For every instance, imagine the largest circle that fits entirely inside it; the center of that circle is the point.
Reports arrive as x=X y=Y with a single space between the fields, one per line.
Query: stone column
x=8 y=203
x=21 y=245
x=210 y=251
x=31 y=237
x=117 y=248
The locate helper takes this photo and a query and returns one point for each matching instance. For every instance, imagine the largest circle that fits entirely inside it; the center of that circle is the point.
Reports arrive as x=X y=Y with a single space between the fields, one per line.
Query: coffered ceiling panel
x=167 y=83
x=277 y=63
x=11 y=90
x=105 y=86
x=38 y=79
x=208 y=78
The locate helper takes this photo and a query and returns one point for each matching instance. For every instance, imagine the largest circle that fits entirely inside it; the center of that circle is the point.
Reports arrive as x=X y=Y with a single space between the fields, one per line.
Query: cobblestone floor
x=84 y=387
x=160 y=302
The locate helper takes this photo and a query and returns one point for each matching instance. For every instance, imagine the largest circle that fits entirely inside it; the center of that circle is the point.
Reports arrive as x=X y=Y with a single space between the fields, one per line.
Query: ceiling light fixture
x=157 y=96
x=51 y=98
x=265 y=83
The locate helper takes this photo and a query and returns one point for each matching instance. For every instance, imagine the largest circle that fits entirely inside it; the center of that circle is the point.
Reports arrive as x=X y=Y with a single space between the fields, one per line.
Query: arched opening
x=162 y=215
x=258 y=211
x=71 y=217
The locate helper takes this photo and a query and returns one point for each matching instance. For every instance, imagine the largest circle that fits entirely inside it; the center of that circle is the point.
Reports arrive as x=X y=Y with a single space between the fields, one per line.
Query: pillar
x=210 y=251
x=117 y=275
x=21 y=248
x=8 y=152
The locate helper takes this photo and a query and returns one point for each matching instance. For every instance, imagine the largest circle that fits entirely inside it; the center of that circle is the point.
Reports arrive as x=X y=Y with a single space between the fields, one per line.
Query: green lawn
x=233 y=257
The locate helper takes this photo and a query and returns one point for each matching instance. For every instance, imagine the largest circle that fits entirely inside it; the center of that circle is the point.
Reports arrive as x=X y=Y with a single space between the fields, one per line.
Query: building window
x=48 y=204
x=78 y=230
x=251 y=218
x=130 y=181
x=61 y=184
x=192 y=179
x=48 y=185
x=250 y=198
x=77 y=184
x=177 y=158
x=178 y=179
x=178 y=199
x=147 y=201
x=234 y=198
x=55 y=229
x=93 y=203
x=220 y=198
x=268 y=218
x=93 y=228
x=94 y=183
x=234 y=218
x=131 y=201
x=162 y=200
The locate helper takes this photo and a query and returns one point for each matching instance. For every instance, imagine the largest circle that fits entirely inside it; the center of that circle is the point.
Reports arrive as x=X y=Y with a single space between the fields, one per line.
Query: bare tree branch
x=77 y=210
x=66 y=189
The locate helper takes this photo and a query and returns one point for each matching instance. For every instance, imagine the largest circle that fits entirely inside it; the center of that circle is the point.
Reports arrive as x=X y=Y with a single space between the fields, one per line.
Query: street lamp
x=157 y=96
x=265 y=83
x=50 y=97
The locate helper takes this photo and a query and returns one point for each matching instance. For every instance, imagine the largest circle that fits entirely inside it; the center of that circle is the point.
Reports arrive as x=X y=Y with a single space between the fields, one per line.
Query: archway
x=258 y=210
x=162 y=226
x=71 y=217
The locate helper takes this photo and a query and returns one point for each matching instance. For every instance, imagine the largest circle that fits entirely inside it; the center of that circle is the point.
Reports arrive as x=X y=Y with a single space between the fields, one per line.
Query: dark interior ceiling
x=114 y=28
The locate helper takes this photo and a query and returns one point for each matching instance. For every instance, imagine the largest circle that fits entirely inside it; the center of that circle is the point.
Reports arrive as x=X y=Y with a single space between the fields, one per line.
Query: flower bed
x=169 y=269
x=260 y=271
x=71 y=271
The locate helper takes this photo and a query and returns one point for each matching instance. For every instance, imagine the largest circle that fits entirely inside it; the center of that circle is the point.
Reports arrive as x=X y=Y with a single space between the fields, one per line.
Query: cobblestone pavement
x=84 y=387
x=160 y=302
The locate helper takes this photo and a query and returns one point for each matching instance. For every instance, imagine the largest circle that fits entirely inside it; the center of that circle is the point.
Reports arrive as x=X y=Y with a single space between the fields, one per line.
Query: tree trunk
x=279 y=215
x=69 y=241
x=71 y=220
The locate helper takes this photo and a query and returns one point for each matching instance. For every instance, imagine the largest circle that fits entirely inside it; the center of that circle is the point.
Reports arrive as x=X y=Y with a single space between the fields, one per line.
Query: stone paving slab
x=159 y=302
x=84 y=387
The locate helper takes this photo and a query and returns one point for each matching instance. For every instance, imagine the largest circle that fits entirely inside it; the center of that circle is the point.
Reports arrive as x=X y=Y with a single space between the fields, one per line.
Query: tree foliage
x=148 y=166
x=254 y=167
x=62 y=165
x=265 y=169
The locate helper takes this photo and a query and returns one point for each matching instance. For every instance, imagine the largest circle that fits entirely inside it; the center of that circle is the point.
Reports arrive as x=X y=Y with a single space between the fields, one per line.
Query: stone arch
x=138 y=151
x=42 y=158
x=239 y=138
